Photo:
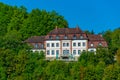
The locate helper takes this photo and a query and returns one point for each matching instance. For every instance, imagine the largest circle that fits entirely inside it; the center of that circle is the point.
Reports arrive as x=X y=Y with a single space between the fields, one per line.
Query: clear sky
x=97 y=15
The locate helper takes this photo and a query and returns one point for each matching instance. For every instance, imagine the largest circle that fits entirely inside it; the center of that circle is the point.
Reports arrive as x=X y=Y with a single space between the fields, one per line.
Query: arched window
x=100 y=44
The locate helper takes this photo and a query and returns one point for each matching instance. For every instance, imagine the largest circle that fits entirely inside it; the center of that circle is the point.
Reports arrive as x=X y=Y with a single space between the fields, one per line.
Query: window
x=48 y=52
x=79 y=44
x=91 y=45
x=52 y=44
x=91 y=50
x=57 y=37
x=64 y=51
x=67 y=44
x=100 y=44
x=81 y=37
x=42 y=46
x=57 y=44
x=50 y=37
x=48 y=45
x=84 y=44
x=79 y=52
x=57 y=52
x=74 y=36
x=36 y=45
x=74 y=44
x=74 y=52
x=53 y=52
x=63 y=44
x=67 y=51
x=65 y=37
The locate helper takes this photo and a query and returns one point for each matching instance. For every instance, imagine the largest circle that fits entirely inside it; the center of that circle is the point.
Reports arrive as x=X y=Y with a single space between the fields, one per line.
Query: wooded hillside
x=17 y=62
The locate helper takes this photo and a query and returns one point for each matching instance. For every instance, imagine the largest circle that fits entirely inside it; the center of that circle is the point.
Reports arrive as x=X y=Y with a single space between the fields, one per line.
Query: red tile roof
x=70 y=33
x=66 y=31
x=35 y=39
x=95 y=37
x=96 y=40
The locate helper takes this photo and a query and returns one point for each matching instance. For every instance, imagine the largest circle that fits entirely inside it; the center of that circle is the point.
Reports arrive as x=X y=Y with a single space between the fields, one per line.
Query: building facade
x=66 y=43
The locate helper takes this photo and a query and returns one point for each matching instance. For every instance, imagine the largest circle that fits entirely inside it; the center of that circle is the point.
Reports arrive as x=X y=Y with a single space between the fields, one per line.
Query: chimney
x=101 y=35
x=77 y=27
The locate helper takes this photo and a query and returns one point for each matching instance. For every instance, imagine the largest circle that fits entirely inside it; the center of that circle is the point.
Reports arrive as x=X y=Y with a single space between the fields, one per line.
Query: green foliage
x=112 y=72
x=17 y=62
x=87 y=58
x=40 y=22
x=113 y=39
x=118 y=56
x=104 y=55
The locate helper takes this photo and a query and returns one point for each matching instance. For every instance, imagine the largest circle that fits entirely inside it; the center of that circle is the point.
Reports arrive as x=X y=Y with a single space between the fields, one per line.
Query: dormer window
x=65 y=37
x=50 y=37
x=36 y=45
x=100 y=44
x=74 y=36
x=81 y=37
x=91 y=45
x=57 y=37
x=42 y=46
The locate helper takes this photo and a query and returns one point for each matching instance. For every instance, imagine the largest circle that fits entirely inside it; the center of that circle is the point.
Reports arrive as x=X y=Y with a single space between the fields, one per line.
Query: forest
x=17 y=62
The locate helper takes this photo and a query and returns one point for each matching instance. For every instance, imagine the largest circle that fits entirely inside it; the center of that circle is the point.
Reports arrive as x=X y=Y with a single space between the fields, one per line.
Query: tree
x=40 y=22
x=19 y=15
x=104 y=55
x=12 y=40
x=111 y=72
x=118 y=56
x=92 y=32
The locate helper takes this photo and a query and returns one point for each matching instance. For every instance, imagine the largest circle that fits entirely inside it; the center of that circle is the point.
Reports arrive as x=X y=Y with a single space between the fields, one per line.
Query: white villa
x=66 y=43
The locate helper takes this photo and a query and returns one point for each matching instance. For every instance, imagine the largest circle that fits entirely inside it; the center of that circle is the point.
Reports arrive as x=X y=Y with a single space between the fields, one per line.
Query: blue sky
x=97 y=15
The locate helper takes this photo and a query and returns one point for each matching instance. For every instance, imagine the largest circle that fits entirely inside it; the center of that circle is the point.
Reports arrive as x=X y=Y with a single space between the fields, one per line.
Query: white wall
x=52 y=48
x=66 y=47
x=38 y=50
x=81 y=47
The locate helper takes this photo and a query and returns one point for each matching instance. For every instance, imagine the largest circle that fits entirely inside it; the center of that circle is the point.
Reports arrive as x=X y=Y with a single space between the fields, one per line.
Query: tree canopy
x=17 y=62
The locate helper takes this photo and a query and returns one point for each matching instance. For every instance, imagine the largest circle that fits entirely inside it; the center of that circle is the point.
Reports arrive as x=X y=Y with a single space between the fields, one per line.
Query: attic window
x=50 y=37
x=42 y=46
x=57 y=37
x=100 y=44
x=65 y=37
x=91 y=45
x=36 y=45
x=81 y=37
x=74 y=36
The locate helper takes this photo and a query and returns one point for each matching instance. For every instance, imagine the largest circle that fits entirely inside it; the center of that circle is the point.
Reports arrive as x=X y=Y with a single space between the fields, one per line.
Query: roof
x=95 y=37
x=35 y=39
x=96 y=40
x=58 y=31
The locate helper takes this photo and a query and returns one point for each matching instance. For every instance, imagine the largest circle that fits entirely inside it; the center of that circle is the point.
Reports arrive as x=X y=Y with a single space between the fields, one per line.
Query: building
x=66 y=43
